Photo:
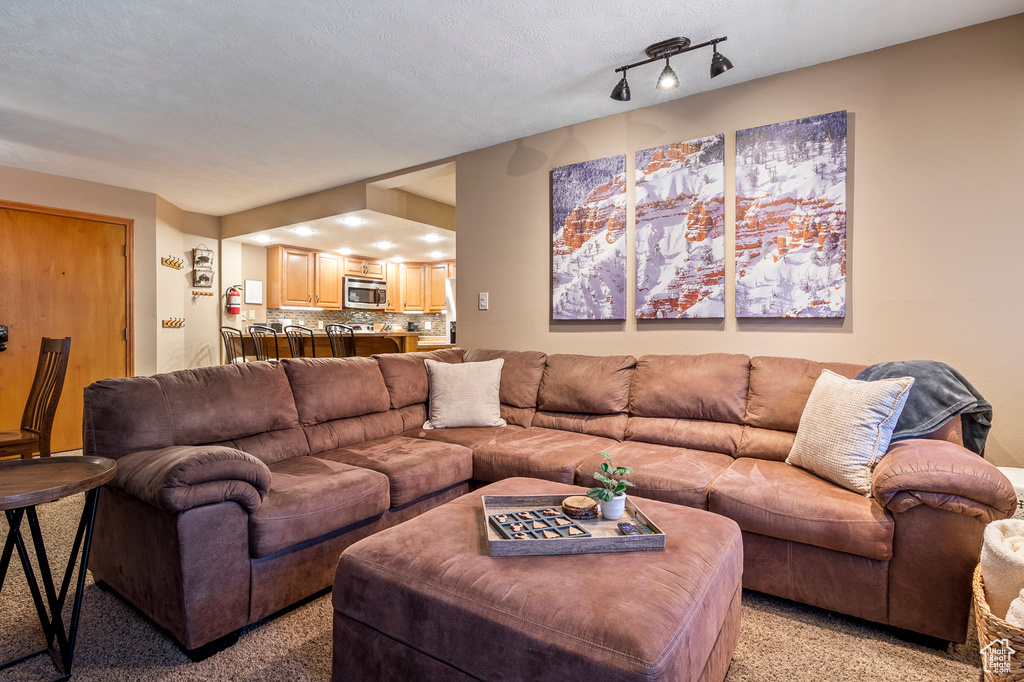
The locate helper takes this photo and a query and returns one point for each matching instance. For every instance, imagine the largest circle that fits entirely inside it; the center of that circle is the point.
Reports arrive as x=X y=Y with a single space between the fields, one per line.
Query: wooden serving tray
x=604 y=534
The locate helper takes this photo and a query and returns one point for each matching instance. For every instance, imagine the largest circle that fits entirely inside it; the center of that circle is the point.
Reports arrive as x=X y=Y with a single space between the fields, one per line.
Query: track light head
x=668 y=79
x=719 y=63
x=621 y=91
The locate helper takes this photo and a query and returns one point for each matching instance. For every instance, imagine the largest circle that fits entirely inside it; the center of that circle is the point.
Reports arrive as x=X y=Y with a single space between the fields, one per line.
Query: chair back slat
x=296 y=335
x=264 y=340
x=343 y=340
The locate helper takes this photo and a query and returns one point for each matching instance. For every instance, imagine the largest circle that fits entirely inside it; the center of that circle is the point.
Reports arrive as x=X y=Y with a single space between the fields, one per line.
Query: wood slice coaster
x=579 y=507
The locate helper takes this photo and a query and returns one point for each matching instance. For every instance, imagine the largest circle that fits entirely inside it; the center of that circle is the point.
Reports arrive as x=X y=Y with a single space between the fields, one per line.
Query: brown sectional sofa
x=239 y=486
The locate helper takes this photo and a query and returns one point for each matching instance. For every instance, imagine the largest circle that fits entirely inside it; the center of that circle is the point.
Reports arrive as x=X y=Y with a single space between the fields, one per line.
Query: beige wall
x=936 y=158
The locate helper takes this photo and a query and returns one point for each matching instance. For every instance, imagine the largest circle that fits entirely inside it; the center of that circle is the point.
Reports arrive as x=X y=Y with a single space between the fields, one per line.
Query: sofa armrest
x=942 y=475
x=178 y=478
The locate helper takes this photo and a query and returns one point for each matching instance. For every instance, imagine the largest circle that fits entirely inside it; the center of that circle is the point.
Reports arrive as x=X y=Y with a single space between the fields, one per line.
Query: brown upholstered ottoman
x=424 y=601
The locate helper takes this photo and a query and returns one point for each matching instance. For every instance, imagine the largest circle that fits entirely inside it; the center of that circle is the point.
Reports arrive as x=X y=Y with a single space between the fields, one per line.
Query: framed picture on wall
x=202 y=267
x=588 y=241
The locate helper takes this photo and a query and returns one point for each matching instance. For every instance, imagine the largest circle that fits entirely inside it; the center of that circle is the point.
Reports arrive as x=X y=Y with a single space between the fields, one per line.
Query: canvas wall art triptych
x=790 y=247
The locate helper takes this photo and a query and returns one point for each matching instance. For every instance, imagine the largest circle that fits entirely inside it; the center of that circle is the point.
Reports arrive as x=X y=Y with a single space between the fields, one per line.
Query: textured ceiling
x=222 y=106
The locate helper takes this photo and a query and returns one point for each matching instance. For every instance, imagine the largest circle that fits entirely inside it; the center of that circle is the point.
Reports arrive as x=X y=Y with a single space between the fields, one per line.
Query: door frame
x=129 y=270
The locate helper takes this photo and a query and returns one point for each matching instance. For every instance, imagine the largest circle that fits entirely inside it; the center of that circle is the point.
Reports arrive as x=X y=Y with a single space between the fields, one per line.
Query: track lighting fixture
x=665 y=50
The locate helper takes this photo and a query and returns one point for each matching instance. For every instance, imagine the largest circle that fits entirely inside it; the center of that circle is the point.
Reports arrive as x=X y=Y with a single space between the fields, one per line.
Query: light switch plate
x=426 y=325
x=483 y=301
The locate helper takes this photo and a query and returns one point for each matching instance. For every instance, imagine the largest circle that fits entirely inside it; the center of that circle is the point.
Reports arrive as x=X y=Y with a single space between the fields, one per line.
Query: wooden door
x=63 y=273
x=436 y=297
x=297 y=272
x=413 y=289
x=328 y=281
x=394 y=288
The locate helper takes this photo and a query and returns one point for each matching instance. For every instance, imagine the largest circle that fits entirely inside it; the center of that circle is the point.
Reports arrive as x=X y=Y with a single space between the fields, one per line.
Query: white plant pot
x=613 y=510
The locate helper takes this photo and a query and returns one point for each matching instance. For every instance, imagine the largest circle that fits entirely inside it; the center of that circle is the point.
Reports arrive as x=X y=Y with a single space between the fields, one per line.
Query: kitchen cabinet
x=327 y=292
x=290 y=276
x=413 y=286
x=363 y=267
x=391 y=275
x=300 y=277
x=437 y=274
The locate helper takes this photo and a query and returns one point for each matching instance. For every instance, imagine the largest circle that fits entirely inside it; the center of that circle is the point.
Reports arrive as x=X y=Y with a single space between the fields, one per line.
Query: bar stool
x=343 y=340
x=234 y=350
x=295 y=335
x=265 y=340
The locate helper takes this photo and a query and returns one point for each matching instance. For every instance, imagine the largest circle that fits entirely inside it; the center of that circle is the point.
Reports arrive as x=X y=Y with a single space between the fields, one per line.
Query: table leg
x=53 y=624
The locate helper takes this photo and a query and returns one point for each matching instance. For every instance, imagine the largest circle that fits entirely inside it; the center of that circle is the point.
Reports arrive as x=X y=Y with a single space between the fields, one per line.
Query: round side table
x=25 y=483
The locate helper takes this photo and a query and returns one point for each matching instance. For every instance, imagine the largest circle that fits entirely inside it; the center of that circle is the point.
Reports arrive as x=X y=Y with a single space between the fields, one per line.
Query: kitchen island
x=367 y=344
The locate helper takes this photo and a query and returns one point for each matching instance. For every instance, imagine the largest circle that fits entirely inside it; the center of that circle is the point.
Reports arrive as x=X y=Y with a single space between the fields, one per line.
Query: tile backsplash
x=310 y=318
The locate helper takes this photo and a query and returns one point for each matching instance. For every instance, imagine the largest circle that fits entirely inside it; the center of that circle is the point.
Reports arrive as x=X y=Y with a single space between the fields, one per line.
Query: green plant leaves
x=602 y=494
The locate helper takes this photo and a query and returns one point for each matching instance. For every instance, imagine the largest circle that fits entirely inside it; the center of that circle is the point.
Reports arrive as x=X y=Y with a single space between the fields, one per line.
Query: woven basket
x=991 y=629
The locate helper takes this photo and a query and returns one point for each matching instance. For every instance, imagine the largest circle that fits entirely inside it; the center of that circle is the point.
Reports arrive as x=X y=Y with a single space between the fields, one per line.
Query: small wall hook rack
x=174 y=323
x=172 y=262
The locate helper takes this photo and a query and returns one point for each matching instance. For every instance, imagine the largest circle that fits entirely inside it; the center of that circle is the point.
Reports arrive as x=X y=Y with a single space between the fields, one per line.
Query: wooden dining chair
x=234 y=348
x=296 y=340
x=265 y=341
x=41 y=406
x=343 y=340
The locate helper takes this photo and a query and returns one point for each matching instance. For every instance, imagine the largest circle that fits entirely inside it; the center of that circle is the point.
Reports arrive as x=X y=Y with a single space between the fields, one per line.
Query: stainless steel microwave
x=366 y=294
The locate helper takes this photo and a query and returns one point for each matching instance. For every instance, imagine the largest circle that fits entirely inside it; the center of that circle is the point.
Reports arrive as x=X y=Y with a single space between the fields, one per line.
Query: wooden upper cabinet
x=290 y=276
x=391 y=275
x=363 y=267
x=438 y=273
x=413 y=276
x=328 y=290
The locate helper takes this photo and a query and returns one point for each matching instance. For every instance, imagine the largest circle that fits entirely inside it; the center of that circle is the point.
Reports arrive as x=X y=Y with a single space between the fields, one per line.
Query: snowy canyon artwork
x=588 y=215
x=680 y=230
x=791 y=218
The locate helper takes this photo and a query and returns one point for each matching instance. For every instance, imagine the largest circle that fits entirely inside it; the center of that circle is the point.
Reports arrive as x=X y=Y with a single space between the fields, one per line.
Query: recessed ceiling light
x=383 y=245
x=436 y=254
x=345 y=251
x=397 y=259
x=263 y=238
x=352 y=221
x=304 y=230
x=432 y=237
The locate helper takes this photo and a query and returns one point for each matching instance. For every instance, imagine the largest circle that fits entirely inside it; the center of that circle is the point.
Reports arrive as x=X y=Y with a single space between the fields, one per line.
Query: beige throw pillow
x=846 y=427
x=464 y=394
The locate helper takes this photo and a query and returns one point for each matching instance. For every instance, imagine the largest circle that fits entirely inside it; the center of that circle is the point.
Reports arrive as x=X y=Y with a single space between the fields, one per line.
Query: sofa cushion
x=586 y=384
x=310 y=497
x=272 y=446
x=212 y=404
x=710 y=387
x=336 y=388
x=846 y=427
x=520 y=375
x=463 y=395
x=338 y=433
x=779 y=388
x=778 y=500
x=537 y=453
x=125 y=414
x=661 y=472
x=413 y=466
x=469 y=437
x=406 y=377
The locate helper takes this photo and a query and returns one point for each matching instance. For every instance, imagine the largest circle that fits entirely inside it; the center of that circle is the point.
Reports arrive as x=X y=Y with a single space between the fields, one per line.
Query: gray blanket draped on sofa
x=939 y=393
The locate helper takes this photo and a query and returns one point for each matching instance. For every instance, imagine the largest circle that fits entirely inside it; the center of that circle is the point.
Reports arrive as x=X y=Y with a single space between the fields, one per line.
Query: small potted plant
x=612 y=494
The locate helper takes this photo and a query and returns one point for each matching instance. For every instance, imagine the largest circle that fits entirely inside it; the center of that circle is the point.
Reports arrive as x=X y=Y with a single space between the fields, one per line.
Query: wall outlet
x=482 y=305
x=319 y=324
x=252 y=314
x=426 y=325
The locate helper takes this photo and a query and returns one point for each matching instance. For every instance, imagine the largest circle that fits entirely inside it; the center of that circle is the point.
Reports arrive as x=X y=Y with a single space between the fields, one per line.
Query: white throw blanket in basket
x=1002 y=563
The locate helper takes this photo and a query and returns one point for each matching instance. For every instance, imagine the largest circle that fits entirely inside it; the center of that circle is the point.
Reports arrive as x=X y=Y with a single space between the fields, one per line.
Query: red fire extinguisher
x=234 y=301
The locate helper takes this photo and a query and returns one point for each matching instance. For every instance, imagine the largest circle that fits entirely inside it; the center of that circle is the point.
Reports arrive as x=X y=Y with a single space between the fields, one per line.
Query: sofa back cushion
x=779 y=388
x=585 y=394
x=336 y=388
x=247 y=403
x=690 y=401
x=520 y=381
x=406 y=376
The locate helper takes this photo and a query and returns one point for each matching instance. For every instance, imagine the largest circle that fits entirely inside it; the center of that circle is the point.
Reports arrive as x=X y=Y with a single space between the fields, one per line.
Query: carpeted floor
x=779 y=640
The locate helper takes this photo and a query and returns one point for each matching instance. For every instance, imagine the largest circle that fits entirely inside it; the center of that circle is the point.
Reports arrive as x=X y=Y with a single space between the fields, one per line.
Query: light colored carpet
x=779 y=640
